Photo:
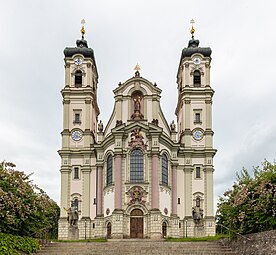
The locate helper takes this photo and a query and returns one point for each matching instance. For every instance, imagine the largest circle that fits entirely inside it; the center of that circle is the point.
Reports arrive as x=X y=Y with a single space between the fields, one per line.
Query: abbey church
x=137 y=176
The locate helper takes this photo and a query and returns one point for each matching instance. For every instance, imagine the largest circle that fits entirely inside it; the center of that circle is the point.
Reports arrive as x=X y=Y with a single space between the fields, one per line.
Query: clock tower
x=194 y=124
x=80 y=116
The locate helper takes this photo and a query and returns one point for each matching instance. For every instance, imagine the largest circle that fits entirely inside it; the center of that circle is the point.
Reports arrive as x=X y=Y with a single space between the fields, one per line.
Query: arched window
x=136 y=166
x=78 y=78
x=198 y=202
x=197 y=78
x=164 y=169
x=109 y=167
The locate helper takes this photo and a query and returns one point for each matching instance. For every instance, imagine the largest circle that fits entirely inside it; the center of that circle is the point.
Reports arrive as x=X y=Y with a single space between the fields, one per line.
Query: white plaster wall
x=109 y=197
x=197 y=185
x=76 y=186
x=180 y=193
x=149 y=110
x=165 y=201
x=93 y=194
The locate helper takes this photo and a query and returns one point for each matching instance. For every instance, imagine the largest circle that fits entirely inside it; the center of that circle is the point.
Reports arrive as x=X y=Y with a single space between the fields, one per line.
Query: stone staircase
x=135 y=247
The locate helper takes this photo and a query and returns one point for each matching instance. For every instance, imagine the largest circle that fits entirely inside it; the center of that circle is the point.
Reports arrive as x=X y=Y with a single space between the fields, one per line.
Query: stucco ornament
x=137 y=139
x=136 y=195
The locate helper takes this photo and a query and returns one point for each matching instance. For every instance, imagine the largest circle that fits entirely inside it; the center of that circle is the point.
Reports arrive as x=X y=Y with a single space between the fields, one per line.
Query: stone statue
x=100 y=126
x=172 y=126
x=72 y=215
x=137 y=104
x=198 y=216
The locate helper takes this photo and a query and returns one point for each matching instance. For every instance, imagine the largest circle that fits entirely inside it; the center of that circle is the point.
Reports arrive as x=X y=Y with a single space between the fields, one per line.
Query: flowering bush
x=250 y=206
x=25 y=209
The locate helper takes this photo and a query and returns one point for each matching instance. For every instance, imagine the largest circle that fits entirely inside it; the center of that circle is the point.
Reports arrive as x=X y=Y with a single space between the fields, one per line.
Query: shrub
x=250 y=206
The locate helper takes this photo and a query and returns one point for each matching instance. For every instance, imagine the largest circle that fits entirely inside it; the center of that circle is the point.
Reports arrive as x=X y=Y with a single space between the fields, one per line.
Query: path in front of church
x=135 y=247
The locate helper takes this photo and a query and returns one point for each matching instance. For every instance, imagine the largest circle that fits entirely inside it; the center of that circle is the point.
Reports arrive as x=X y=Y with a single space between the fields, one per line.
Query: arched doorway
x=164 y=229
x=136 y=224
x=108 y=230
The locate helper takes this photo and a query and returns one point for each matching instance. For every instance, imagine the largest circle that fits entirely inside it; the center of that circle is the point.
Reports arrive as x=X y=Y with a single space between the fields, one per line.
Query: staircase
x=135 y=247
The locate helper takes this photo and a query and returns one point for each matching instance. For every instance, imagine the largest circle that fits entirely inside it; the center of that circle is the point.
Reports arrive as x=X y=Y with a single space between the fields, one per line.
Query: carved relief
x=136 y=195
x=137 y=139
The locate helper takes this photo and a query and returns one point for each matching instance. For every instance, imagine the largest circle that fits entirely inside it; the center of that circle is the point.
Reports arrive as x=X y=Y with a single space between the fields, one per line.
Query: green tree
x=25 y=209
x=250 y=206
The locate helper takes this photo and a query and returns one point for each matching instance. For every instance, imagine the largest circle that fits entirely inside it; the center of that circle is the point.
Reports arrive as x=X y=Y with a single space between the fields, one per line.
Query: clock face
x=197 y=135
x=78 y=61
x=76 y=135
x=197 y=61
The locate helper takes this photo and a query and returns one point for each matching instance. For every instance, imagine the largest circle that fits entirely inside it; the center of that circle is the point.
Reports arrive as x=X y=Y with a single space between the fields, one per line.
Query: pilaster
x=99 y=190
x=154 y=182
x=118 y=181
x=86 y=191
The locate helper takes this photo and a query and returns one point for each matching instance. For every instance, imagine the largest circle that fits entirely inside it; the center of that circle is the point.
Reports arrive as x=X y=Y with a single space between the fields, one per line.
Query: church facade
x=138 y=176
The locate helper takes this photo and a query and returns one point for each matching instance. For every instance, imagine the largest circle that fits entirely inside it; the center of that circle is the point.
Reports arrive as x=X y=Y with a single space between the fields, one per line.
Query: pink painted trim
x=99 y=190
x=154 y=182
x=118 y=181
x=174 y=190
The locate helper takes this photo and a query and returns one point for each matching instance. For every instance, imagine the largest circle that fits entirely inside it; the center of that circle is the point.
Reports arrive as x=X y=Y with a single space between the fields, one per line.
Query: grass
x=196 y=239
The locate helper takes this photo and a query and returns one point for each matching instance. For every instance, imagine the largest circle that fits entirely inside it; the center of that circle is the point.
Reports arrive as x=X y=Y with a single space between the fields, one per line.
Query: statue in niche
x=137 y=104
x=198 y=216
x=137 y=108
x=72 y=215
x=100 y=126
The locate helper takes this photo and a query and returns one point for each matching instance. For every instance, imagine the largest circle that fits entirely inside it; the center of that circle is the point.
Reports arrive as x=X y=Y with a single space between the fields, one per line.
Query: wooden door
x=108 y=230
x=136 y=227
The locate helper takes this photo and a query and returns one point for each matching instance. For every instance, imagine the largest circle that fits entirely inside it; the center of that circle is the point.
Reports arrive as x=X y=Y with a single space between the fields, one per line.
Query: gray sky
x=122 y=33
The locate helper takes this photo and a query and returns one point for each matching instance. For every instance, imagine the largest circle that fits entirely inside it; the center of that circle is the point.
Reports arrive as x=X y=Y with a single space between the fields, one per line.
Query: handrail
x=234 y=231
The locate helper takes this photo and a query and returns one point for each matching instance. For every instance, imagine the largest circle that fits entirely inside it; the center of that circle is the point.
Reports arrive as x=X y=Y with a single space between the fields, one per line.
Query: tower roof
x=82 y=47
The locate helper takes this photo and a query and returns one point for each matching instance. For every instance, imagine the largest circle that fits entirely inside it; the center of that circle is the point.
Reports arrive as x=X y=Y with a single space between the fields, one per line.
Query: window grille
x=164 y=169
x=137 y=166
x=109 y=167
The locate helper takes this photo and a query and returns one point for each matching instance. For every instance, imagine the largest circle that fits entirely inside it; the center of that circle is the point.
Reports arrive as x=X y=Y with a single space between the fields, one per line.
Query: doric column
x=174 y=189
x=118 y=181
x=154 y=182
x=99 y=192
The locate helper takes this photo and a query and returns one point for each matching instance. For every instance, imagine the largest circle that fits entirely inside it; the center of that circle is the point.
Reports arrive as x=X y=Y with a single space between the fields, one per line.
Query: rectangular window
x=197 y=172
x=77 y=117
x=178 y=200
x=76 y=173
x=197 y=117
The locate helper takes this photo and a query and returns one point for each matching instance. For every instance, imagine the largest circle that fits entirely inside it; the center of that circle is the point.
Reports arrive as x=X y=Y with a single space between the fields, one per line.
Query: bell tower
x=195 y=134
x=80 y=116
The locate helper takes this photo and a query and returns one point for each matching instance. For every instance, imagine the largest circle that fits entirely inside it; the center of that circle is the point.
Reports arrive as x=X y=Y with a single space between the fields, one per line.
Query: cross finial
x=137 y=69
x=192 y=29
x=82 y=28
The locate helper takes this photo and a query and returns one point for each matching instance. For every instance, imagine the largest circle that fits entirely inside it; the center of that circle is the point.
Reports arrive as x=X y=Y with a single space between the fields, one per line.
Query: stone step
x=135 y=247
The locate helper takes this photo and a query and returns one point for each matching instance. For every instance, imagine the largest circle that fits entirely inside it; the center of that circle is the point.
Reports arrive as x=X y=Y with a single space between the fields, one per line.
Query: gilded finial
x=192 y=29
x=82 y=29
x=137 y=69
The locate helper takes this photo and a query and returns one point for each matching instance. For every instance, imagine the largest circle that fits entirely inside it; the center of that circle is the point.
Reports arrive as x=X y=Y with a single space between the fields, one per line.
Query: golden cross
x=192 y=29
x=137 y=68
x=82 y=28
